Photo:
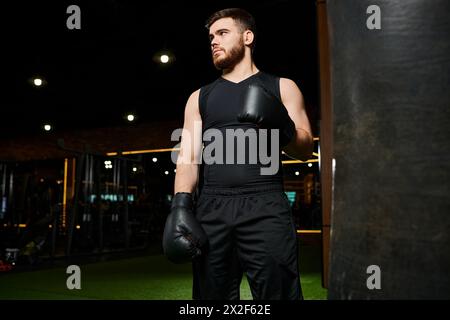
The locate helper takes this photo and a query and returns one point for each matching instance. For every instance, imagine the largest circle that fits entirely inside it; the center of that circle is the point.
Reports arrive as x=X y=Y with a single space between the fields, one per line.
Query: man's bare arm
x=302 y=145
x=186 y=177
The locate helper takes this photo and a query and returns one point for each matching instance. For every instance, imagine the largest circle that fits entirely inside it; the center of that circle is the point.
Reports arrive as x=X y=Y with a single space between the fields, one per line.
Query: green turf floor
x=149 y=277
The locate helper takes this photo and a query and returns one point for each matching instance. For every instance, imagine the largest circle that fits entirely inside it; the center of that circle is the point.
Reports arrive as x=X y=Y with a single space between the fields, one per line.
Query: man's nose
x=214 y=43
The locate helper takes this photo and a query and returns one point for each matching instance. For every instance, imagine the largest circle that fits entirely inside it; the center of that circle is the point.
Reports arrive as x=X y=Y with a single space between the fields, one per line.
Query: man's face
x=227 y=44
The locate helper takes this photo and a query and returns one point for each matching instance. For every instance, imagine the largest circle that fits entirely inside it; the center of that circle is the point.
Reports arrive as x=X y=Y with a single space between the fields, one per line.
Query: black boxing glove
x=261 y=107
x=184 y=237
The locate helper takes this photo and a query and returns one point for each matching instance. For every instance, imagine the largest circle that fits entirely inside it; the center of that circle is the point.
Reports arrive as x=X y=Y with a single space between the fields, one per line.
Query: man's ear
x=249 y=36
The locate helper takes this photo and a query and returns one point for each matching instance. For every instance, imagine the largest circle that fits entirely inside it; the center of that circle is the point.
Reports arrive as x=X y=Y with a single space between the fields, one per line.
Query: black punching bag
x=390 y=227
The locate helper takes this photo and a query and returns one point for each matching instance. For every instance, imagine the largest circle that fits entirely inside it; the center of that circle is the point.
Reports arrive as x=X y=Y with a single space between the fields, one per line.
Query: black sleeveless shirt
x=219 y=106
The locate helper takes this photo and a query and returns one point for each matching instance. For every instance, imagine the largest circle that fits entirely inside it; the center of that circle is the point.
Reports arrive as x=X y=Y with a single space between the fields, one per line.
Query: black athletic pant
x=250 y=230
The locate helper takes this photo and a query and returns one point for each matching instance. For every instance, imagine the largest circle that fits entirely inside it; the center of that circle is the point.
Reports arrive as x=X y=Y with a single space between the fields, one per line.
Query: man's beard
x=231 y=59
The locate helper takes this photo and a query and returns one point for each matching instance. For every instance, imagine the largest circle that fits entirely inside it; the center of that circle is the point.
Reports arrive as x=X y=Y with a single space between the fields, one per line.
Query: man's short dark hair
x=242 y=18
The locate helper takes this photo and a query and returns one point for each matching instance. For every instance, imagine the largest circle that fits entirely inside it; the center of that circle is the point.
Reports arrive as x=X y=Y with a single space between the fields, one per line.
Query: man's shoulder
x=288 y=84
x=270 y=81
x=263 y=75
x=210 y=84
x=194 y=94
x=287 y=81
x=192 y=101
x=207 y=88
x=273 y=76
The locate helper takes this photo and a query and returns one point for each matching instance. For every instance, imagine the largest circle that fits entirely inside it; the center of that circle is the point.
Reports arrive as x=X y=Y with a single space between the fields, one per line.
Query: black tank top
x=219 y=107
